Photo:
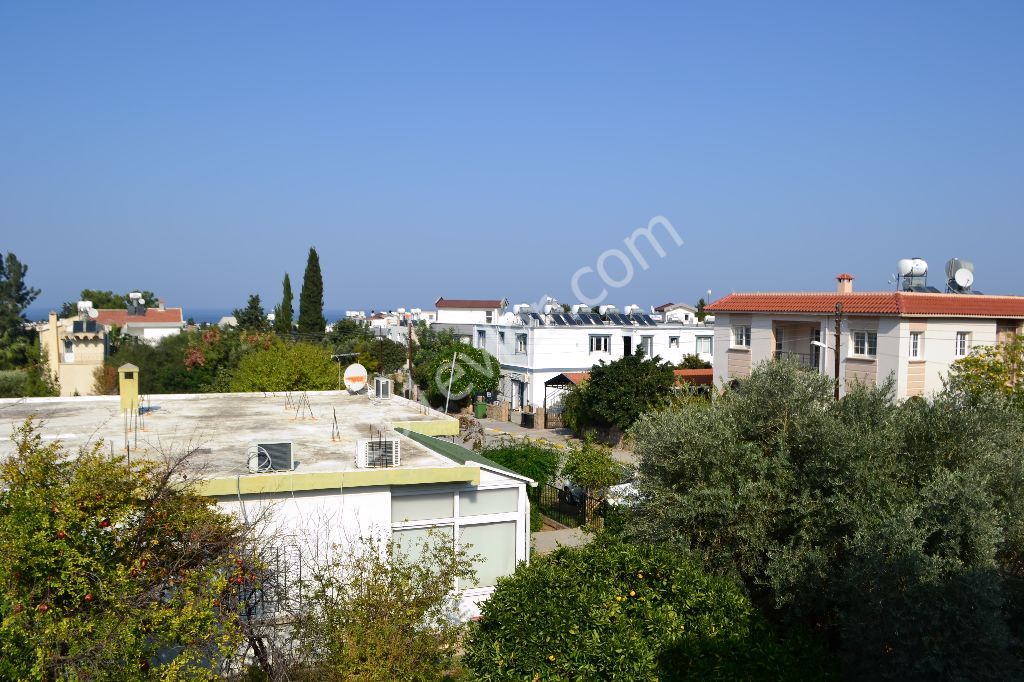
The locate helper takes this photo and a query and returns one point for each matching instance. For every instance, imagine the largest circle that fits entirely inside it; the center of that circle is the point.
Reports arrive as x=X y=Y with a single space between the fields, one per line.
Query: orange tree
x=610 y=610
x=111 y=571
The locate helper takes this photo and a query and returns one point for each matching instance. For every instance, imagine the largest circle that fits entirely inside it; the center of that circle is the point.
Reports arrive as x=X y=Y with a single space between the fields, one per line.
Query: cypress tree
x=283 y=314
x=311 y=298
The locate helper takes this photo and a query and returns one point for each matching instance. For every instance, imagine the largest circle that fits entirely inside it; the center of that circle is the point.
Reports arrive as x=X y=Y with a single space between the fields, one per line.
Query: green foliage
x=992 y=372
x=283 y=313
x=36 y=380
x=16 y=340
x=537 y=461
x=381 y=612
x=311 y=299
x=287 y=367
x=892 y=527
x=693 y=362
x=252 y=317
x=700 y=309
x=106 y=300
x=610 y=610
x=617 y=393
x=591 y=465
x=475 y=371
x=110 y=571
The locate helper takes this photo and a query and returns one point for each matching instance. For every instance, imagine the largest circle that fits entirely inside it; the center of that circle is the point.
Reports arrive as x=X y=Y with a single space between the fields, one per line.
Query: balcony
x=808 y=360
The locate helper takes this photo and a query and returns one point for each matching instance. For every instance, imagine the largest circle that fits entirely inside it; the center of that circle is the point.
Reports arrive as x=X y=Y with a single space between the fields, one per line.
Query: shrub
x=539 y=462
x=610 y=610
x=287 y=367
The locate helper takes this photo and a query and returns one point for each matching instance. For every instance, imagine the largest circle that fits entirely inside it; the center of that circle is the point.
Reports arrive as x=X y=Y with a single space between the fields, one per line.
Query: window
x=865 y=343
x=963 y=344
x=520 y=343
x=647 y=345
x=705 y=345
x=915 y=344
x=673 y=342
x=422 y=507
x=489 y=316
x=481 y=338
x=779 y=339
x=480 y=502
x=69 y=350
x=501 y=337
x=741 y=336
x=600 y=344
x=129 y=375
x=495 y=543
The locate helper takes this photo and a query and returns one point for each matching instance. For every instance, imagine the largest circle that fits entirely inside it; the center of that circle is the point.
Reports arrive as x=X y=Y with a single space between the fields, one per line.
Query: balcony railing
x=802 y=359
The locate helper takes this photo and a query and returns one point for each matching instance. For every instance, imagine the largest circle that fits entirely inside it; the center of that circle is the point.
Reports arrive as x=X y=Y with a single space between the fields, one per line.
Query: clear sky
x=493 y=149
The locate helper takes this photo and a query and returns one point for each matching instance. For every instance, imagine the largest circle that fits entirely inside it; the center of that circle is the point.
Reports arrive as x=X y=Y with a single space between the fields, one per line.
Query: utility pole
x=839 y=325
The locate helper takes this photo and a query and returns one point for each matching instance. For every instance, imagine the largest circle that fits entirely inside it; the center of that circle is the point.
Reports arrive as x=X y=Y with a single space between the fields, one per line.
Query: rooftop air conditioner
x=382 y=388
x=378 y=452
x=264 y=457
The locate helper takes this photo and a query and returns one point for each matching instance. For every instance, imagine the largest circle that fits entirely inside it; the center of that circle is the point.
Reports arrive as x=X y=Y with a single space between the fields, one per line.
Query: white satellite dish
x=355 y=378
x=964 y=278
x=93 y=313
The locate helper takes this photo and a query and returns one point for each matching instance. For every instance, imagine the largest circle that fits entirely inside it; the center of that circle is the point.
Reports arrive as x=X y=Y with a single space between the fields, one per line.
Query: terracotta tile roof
x=895 y=303
x=120 y=317
x=695 y=376
x=470 y=303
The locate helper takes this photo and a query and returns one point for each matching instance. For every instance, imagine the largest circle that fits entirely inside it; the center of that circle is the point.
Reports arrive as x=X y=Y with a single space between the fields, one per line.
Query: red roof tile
x=895 y=303
x=475 y=303
x=695 y=376
x=120 y=317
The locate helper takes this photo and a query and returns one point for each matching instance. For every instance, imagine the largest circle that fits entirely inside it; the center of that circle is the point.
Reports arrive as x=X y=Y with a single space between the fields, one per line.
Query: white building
x=383 y=473
x=912 y=336
x=535 y=347
x=147 y=324
x=468 y=311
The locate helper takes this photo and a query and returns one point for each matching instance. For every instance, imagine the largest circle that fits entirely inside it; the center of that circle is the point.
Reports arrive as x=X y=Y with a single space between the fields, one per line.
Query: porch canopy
x=561 y=383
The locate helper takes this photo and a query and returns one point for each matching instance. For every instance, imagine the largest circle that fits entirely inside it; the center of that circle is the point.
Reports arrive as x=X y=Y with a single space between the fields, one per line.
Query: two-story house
x=913 y=336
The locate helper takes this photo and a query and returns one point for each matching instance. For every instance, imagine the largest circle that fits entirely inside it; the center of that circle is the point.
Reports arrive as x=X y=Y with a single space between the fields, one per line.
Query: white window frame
x=673 y=342
x=915 y=345
x=457 y=521
x=521 y=343
x=600 y=343
x=709 y=341
x=862 y=338
x=481 y=338
x=69 y=355
x=963 y=344
x=647 y=343
x=489 y=316
x=741 y=336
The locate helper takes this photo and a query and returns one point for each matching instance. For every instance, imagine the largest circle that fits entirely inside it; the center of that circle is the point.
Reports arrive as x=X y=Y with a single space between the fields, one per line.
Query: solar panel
x=617 y=318
x=558 y=319
x=642 y=319
x=593 y=318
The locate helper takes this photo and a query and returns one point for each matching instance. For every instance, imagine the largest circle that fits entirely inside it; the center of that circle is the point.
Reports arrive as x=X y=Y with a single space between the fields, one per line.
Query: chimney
x=844 y=283
x=160 y=303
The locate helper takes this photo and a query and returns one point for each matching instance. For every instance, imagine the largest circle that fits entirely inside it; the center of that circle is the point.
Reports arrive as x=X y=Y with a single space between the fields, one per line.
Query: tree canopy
x=283 y=314
x=16 y=347
x=894 y=528
x=992 y=371
x=252 y=317
x=287 y=367
x=617 y=393
x=474 y=371
x=110 y=571
x=613 y=611
x=311 y=299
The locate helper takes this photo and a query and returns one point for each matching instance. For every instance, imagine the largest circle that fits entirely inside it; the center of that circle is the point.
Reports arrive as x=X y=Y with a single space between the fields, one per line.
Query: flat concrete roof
x=222 y=426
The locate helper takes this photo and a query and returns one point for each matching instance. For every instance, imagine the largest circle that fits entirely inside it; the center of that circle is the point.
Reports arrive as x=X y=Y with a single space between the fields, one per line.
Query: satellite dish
x=355 y=378
x=93 y=313
x=964 y=278
x=142 y=301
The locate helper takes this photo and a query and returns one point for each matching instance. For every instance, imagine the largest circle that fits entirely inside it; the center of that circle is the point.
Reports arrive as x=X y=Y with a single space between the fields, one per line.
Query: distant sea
x=37 y=313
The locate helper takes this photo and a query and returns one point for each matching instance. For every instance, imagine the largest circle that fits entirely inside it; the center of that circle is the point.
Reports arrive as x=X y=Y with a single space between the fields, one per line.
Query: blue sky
x=471 y=149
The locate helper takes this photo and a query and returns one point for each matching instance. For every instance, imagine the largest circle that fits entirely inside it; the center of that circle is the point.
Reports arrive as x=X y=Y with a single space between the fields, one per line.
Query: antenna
x=959 y=276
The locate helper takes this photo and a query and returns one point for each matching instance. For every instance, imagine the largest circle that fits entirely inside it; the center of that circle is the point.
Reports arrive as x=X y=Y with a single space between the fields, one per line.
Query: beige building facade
x=75 y=349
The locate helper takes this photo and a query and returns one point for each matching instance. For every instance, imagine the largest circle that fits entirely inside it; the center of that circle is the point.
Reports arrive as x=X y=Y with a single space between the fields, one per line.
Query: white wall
x=552 y=350
x=466 y=315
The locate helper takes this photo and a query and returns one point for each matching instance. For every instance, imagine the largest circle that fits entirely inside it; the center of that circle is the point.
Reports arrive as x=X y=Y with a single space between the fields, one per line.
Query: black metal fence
x=568 y=506
x=809 y=360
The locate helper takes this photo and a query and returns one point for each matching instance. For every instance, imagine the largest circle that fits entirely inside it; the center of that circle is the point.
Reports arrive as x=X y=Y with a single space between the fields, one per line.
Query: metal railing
x=803 y=359
x=568 y=506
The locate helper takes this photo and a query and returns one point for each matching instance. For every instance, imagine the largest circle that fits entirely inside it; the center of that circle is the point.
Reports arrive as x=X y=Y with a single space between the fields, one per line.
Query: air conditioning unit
x=265 y=457
x=382 y=388
x=376 y=453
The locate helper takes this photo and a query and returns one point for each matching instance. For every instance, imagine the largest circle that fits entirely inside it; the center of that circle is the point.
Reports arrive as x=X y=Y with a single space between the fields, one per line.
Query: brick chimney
x=844 y=283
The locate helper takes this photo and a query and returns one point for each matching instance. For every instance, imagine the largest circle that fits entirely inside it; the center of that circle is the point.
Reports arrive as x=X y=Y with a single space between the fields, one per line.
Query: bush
x=617 y=393
x=539 y=462
x=287 y=367
x=12 y=383
x=610 y=610
x=476 y=371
